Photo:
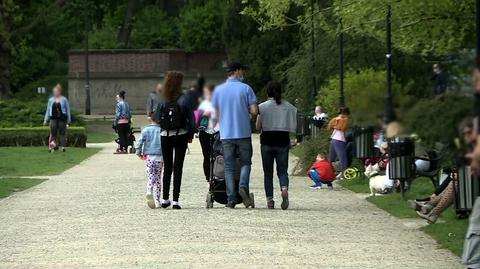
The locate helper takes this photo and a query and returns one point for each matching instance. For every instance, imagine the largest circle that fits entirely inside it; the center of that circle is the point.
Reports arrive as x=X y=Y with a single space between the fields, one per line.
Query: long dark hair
x=274 y=90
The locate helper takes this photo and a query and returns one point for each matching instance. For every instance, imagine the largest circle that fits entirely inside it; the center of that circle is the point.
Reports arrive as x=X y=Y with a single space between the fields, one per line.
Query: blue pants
x=338 y=151
x=269 y=156
x=231 y=149
x=316 y=178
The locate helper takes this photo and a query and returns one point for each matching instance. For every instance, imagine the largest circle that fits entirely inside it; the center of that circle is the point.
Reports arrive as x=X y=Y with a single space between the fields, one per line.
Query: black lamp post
x=477 y=21
x=314 y=78
x=389 y=109
x=87 y=69
x=342 y=71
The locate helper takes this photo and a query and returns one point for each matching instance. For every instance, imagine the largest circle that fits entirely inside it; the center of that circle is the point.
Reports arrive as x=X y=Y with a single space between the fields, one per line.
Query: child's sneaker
x=150 y=201
x=340 y=176
x=316 y=186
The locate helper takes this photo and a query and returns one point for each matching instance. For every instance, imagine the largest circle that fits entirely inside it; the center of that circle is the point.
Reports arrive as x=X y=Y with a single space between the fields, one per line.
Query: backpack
x=171 y=116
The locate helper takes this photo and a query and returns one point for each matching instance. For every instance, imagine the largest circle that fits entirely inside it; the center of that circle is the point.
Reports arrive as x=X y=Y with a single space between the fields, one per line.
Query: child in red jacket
x=321 y=172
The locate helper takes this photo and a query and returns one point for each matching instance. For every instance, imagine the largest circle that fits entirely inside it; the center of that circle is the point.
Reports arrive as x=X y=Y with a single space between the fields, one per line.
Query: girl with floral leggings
x=149 y=147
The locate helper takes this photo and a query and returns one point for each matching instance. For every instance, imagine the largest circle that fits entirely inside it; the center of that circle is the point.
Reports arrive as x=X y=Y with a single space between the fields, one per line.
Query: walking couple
x=236 y=104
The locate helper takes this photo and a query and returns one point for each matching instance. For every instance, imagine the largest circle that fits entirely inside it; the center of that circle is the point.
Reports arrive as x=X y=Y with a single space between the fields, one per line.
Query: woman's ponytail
x=274 y=90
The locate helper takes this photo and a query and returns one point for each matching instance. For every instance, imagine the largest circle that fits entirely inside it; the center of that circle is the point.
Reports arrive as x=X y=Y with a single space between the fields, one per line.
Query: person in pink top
x=338 y=146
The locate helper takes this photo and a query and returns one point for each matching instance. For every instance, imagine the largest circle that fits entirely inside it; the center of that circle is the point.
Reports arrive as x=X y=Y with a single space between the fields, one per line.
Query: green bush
x=436 y=119
x=29 y=91
x=38 y=136
x=310 y=149
x=364 y=95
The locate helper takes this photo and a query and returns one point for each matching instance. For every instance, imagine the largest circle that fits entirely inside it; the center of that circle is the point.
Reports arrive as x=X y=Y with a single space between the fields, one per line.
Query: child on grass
x=149 y=147
x=321 y=172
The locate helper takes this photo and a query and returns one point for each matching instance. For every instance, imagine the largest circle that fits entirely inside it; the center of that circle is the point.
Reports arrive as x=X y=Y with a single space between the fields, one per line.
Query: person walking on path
x=338 y=146
x=149 y=147
x=235 y=103
x=122 y=122
x=175 y=116
x=207 y=127
x=277 y=119
x=152 y=100
x=59 y=117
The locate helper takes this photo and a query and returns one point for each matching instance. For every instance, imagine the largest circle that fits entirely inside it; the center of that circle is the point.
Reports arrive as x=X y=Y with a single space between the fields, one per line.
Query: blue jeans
x=338 y=151
x=269 y=156
x=233 y=148
x=317 y=179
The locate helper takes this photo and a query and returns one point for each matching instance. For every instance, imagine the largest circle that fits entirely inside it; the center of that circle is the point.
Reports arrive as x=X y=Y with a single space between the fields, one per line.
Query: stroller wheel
x=209 y=201
x=252 y=200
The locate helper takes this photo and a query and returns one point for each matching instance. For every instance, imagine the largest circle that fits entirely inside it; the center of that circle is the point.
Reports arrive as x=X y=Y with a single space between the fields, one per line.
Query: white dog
x=377 y=184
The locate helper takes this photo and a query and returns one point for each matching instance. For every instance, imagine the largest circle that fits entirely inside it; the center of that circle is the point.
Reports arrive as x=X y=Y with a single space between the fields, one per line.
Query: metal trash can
x=401 y=159
x=467 y=190
x=363 y=142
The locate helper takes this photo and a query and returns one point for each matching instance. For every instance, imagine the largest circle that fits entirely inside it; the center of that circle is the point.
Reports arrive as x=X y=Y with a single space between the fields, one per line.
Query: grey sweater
x=275 y=117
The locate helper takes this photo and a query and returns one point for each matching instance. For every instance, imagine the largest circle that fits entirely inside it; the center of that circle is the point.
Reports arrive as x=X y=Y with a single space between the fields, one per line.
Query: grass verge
x=100 y=131
x=11 y=185
x=449 y=232
x=37 y=161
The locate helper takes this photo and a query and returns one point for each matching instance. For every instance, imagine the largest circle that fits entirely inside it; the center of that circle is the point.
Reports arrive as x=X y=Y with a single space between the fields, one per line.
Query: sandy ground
x=95 y=216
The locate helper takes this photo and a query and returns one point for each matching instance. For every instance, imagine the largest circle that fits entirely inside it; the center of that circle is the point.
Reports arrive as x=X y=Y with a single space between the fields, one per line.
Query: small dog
x=377 y=184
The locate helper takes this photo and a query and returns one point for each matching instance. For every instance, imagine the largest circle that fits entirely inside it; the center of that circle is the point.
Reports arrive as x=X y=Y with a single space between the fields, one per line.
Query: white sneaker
x=150 y=201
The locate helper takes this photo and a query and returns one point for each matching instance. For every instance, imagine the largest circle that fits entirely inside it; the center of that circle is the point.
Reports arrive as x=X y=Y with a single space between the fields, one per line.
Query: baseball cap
x=234 y=66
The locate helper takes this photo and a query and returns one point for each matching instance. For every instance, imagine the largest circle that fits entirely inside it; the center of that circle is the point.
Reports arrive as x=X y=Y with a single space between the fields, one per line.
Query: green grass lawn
x=11 y=185
x=449 y=232
x=37 y=161
x=100 y=131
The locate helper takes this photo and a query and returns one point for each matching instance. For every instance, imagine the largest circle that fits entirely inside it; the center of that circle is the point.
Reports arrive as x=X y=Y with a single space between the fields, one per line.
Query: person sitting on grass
x=322 y=172
x=149 y=147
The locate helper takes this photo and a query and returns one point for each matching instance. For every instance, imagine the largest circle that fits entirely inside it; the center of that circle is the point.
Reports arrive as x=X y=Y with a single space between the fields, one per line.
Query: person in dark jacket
x=440 y=79
x=175 y=116
x=152 y=101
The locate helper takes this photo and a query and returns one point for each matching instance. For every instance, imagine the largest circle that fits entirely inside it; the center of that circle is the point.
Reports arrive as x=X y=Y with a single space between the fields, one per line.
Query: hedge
x=38 y=136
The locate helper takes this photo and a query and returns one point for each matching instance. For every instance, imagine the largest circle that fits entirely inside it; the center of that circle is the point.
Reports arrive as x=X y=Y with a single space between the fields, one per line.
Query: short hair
x=122 y=94
x=322 y=155
x=151 y=115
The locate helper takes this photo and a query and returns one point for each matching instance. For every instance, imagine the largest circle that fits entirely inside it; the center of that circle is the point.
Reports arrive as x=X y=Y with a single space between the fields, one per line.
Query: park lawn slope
x=11 y=185
x=449 y=231
x=37 y=161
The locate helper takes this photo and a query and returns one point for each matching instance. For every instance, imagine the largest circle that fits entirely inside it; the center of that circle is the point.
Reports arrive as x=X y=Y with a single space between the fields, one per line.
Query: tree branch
x=41 y=16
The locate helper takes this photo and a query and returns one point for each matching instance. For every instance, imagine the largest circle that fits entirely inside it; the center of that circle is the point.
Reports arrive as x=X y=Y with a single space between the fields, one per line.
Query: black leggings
x=59 y=127
x=206 y=143
x=123 y=130
x=173 y=144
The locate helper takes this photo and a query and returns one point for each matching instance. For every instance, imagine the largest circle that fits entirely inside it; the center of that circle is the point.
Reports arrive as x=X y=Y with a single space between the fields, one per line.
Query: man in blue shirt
x=236 y=103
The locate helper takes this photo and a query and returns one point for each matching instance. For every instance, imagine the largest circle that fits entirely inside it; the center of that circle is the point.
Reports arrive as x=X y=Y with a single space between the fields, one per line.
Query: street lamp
x=87 y=69
x=389 y=109
x=314 y=78
x=342 y=71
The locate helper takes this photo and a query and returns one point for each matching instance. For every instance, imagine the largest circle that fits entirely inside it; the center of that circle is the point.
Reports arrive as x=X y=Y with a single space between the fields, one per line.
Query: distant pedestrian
x=149 y=148
x=277 y=119
x=235 y=103
x=207 y=127
x=152 y=100
x=123 y=115
x=338 y=146
x=440 y=79
x=59 y=117
x=175 y=116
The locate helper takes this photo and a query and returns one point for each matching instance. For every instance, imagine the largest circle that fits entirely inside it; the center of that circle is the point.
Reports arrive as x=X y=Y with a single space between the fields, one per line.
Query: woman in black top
x=175 y=116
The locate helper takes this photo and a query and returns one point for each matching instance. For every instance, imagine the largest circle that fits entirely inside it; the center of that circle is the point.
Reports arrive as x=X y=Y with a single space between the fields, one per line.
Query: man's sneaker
x=430 y=218
x=316 y=186
x=176 y=205
x=166 y=203
x=150 y=201
x=270 y=204
x=230 y=205
x=245 y=197
x=285 y=202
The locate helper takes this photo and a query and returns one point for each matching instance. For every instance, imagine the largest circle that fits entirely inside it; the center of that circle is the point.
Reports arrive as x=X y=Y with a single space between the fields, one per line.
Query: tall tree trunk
x=5 y=52
x=126 y=28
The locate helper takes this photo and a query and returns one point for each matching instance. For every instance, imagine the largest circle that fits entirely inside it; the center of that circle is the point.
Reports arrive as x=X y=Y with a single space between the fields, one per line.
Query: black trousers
x=206 y=143
x=58 y=127
x=173 y=149
x=123 y=130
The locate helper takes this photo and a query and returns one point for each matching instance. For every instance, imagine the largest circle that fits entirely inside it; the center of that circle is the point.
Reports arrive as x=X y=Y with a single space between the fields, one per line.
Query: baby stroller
x=217 y=191
x=130 y=140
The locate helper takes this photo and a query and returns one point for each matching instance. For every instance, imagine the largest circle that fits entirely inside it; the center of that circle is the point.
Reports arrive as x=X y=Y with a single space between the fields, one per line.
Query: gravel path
x=94 y=216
